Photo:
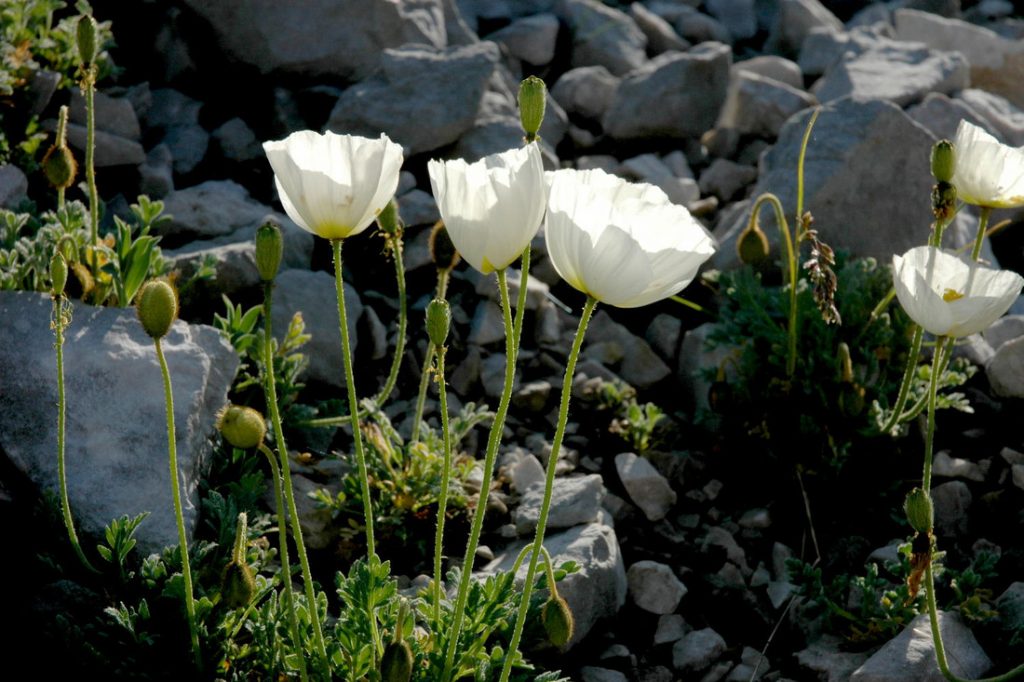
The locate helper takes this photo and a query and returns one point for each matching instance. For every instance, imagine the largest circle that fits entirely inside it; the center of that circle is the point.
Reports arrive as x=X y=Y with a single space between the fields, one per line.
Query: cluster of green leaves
x=405 y=477
x=818 y=406
x=31 y=40
x=641 y=426
x=127 y=257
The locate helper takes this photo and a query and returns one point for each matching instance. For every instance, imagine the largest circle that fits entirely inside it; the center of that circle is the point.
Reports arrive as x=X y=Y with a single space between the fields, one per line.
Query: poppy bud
x=918 y=507
x=59 y=164
x=388 y=220
x=157 y=307
x=752 y=245
x=58 y=273
x=439 y=319
x=442 y=250
x=532 y=100
x=269 y=251
x=242 y=427
x=237 y=584
x=943 y=161
x=558 y=621
x=86 y=33
x=396 y=663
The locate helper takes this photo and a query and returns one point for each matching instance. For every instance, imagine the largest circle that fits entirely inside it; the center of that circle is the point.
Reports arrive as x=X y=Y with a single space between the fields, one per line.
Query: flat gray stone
x=110 y=150
x=952 y=501
x=574 y=501
x=828 y=661
x=794 y=20
x=737 y=16
x=13 y=185
x=1002 y=116
x=1005 y=371
x=488 y=325
x=947 y=466
x=675 y=95
x=590 y=673
x=911 y=654
x=661 y=35
x=211 y=209
x=640 y=367
x=1011 y=606
x=602 y=36
x=237 y=141
x=671 y=628
x=647 y=488
x=941 y=115
x=1006 y=328
x=114 y=115
x=758 y=105
x=772 y=66
x=531 y=39
x=654 y=587
x=697 y=651
x=725 y=179
x=586 y=91
x=116 y=430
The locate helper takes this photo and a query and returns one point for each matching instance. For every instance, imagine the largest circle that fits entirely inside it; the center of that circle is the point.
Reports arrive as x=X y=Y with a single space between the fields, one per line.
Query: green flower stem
x=791 y=266
x=908 y=378
x=983 y=217
x=493 y=441
x=58 y=327
x=442 y=503
x=396 y=362
x=172 y=455
x=421 y=397
x=89 y=89
x=929 y=436
x=353 y=402
x=922 y=404
x=286 y=483
x=286 y=568
x=549 y=481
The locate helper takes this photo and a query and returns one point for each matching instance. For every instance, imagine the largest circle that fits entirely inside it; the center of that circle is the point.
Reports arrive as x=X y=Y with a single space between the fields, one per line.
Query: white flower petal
x=987 y=173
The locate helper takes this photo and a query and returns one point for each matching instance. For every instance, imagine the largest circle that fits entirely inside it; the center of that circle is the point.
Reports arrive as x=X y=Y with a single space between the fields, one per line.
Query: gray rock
x=1001 y=114
x=652 y=170
x=757 y=105
x=13 y=185
x=671 y=628
x=598 y=589
x=110 y=150
x=641 y=367
x=116 y=435
x=536 y=290
x=827 y=661
x=318 y=531
x=423 y=98
x=1006 y=328
x=772 y=66
x=779 y=592
x=573 y=501
x=725 y=178
x=587 y=91
x=752 y=665
x=823 y=48
x=1005 y=371
x=654 y=587
x=237 y=141
x=718 y=537
x=211 y=209
x=902 y=73
x=602 y=36
x=647 y=488
x=698 y=27
x=946 y=466
x=736 y=15
x=841 y=172
x=466 y=375
x=694 y=358
x=41 y=90
x=758 y=518
x=114 y=115
x=589 y=673
x=951 y=501
x=663 y=334
x=418 y=207
x=1011 y=606
x=492 y=375
x=995 y=62
x=378 y=333
x=156 y=173
x=661 y=36
x=795 y=19
x=488 y=325
x=526 y=472
x=532 y=397
x=941 y=115
x=188 y=145
x=697 y=650
x=676 y=95
x=166 y=108
x=313 y=294
x=531 y=39
x=911 y=655
x=321 y=37
x=1018 y=475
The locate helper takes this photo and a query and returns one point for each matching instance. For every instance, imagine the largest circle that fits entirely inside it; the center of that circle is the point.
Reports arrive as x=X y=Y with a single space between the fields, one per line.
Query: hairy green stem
x=979 y=239
x=286 y=567
x=442 y=503
x=89 y=88
x=493 y=441
x=172 y=455
x=270 y=388
x=791 y=267
x=421 y=396
x=353 y=402
x=549 y=480
x=59 y=319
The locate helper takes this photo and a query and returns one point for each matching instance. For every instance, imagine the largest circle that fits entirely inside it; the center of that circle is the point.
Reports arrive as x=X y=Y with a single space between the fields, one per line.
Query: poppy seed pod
x=58 y=273
x=86 y=31
x=396 y=662
x=918 y=507
x=269 y=251
x=242 y=427
x=157 y=307
x=532 y=101
x=442 y=250
x=943 y=161
x=439 y=319
x=558 y=621
x=752 y=245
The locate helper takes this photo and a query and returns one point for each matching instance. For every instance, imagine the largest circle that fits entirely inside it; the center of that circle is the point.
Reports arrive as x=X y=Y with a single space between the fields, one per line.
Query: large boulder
x=116 y=457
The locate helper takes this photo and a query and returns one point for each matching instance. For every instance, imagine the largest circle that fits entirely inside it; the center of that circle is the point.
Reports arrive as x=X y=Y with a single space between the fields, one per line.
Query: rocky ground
x=682 y=551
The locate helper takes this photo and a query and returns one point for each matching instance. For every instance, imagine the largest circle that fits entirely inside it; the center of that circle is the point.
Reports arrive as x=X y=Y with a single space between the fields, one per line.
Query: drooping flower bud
x=396 y=663
x=58 y=273
x=558 y=621
x=242 y=427
x=59 y=164
x=237 y=582
x=442 y=249
x=752 y=245
x=943 y=161
x=439 y=320
x=918 y=507
x=157 y=307
x=388 y=220
x=86 y=31
x=269 y=250
x=532 y=100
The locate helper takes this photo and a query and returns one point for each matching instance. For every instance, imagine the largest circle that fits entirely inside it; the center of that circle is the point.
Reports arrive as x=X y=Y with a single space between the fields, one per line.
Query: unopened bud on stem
x=532 y=100
x=242 y=427
x=439 y=319
x=269 y=251
x=58 y=273
x=918 y=507
x=388 y=219
x=157 y=307
x=943 y=161
x=86 y=31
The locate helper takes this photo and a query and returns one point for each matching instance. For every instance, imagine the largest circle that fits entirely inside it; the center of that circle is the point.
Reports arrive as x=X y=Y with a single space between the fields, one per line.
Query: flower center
x=950 y=295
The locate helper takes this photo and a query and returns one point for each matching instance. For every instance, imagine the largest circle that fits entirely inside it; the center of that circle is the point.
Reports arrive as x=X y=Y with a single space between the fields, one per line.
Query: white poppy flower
x=623 y=243
x=334 y=185
x=949 y=295
x=987 y=173
x=491 y=208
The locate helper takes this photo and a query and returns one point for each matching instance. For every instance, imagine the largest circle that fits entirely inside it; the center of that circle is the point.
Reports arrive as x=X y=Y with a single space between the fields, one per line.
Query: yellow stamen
x=950 y=295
